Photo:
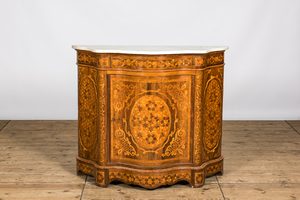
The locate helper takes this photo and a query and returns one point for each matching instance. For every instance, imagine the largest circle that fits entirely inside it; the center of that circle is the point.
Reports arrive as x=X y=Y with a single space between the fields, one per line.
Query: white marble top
x=150 y=50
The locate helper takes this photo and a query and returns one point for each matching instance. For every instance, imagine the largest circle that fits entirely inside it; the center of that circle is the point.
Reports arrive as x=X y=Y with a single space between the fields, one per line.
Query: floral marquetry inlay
x=154 y=121
x=150 y=121
x=86 y=58
x=137 y=63
x=87 y=111
x=122 y=93
x=149 y=181
x=213 y=112
x=179 y=95
x=177 y=144
x=215 y=59
x=123 y=144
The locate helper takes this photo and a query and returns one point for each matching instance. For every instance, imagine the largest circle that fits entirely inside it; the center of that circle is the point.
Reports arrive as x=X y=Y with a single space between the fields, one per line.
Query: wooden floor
x=262 y=161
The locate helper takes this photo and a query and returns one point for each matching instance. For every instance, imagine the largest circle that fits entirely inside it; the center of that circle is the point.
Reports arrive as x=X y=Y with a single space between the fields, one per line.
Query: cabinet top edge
x=150 y=50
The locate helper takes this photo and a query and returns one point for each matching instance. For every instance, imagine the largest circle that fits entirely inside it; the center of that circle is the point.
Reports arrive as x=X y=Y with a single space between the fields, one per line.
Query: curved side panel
x=87 y=113
x=212 y=116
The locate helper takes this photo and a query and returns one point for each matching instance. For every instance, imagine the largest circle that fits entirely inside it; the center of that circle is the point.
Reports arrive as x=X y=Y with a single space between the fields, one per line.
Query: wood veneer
x=150 y=120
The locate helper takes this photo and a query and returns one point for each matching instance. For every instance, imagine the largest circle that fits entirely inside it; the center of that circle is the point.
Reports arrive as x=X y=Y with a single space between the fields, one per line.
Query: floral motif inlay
x=214 y=168
x=100 y=178
x=151 y=64
x=215 y=59
x=199 y=178
x=145 y=119
x=122 y=94
x=150 y=121
x=103 y=61
x=200 y=61
x=87 y=112
x=102 y=114
x=179 y=95
x=198 y=110
x=86 y=58
x=212 y=115
x=123 y=144
x=177 y=144
x=85 y=168
x=151 y=180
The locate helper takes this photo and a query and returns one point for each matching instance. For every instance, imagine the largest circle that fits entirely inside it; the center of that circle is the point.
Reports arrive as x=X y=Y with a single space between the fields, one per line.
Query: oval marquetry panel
x=87 y=111
x=150 y=121
x=213 y=112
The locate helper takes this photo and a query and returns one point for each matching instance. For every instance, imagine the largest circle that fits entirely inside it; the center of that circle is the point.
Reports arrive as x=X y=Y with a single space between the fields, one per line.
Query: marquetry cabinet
x=150 y=115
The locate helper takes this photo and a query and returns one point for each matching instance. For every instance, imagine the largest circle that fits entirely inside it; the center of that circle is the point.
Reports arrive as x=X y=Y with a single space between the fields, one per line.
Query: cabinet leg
x=101 y=178
x=199 y=179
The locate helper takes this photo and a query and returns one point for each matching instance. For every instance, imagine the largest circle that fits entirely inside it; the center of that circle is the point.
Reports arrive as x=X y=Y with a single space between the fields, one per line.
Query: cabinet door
x=150 y=120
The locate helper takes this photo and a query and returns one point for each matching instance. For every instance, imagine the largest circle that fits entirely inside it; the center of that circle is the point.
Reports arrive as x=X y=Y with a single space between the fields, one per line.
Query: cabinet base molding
x=149 y=179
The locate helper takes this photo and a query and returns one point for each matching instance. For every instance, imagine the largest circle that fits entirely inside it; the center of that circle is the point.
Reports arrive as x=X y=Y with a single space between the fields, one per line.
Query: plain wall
x=38 y=74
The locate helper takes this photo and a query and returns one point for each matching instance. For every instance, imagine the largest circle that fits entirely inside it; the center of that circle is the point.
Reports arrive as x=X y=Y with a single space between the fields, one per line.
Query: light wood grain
x=40 y=191
x=260 y=152
x=295 y=124
x=261 y=191
x=3 y=123
x=181 y=190
x=43 y=125
x=37 y=161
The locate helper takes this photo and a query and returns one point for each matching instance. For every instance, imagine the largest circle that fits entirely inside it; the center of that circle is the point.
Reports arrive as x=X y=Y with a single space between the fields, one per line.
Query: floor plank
x=295 y=124
x=37 y=161
x=42 y=125
x=3 y=123
x=181 y=190
x=41 y=191
x=260 y=152
x=261 y=191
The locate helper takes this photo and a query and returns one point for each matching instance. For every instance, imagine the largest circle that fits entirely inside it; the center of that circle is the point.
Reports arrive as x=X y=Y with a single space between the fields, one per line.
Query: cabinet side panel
x=212 y=115
x=87 y=112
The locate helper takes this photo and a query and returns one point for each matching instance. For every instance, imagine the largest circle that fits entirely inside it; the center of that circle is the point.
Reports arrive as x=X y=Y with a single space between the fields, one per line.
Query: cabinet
x=150 y=116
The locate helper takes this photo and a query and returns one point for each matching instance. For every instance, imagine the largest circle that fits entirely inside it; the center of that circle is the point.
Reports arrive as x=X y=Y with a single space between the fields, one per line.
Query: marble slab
x=150 y=50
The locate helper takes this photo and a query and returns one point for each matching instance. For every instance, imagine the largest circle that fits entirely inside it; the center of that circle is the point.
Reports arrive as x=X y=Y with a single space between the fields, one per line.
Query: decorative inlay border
x=215 y=58
x=199 y=178
x=177 y=144
x=215 y=168
x=123 y=144
x=148 y=62
x=198 y=119
x=103 y=61
x=122 y=94
x=200 y=61
x=100 y=178
x=179 y=95
x=86 y=58
x=102 y=85
x=150 y=178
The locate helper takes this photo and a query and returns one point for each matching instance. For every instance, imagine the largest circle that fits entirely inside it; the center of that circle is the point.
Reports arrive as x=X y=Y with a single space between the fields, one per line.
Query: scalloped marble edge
x=150 y=50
